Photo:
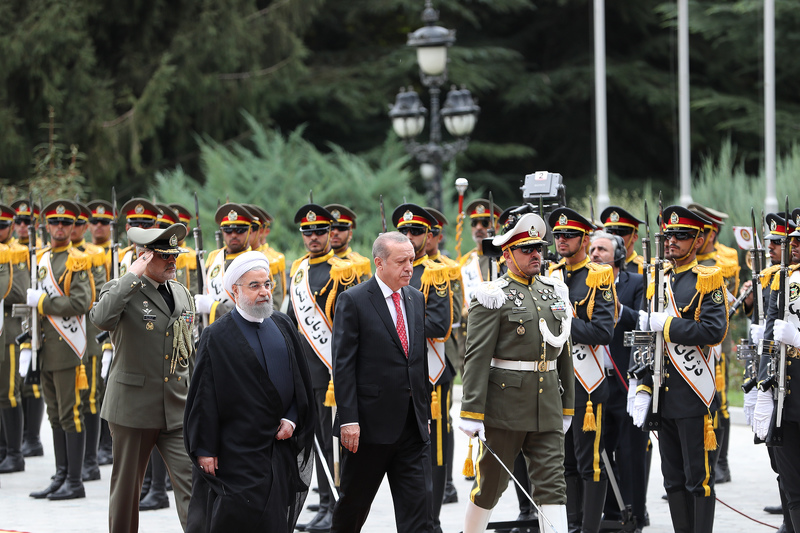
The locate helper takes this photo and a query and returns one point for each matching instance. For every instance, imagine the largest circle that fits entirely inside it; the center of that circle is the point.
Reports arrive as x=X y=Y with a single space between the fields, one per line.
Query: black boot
x=450 y=494
x=104 y=453
x=12 y=427
x=34 y=412
x=681 y=511
x=60 y=452
x=323 y=525
x=574 y=503
x=91 y=471
x=704 y=513
x=3 y=447
x=72 y=488
x=594 y=498
x=324 y=505
x=157 y=495
x=788 y=527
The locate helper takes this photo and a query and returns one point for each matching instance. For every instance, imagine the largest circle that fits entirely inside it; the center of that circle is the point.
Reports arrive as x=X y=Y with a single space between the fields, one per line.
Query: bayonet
x=383 y=215
x=202 y=281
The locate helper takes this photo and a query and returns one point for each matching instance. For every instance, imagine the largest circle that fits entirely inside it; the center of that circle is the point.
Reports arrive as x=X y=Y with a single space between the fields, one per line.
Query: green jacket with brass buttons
x=504 y=323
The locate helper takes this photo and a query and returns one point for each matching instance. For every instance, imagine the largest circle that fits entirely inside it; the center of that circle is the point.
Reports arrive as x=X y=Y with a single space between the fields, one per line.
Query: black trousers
x=324 y=434
x=787 y=459
x=582 y=448
x=406 y=462
x=685 y=463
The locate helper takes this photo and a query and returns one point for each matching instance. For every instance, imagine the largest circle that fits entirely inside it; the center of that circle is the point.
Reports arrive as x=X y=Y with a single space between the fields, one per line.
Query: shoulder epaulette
x=296 y=265
x=362 y=265
x=343 y=271
x=776 y=278
x=766 y=275
x=211 y=255
x=40 y=252
x=18 y=253
x=709 y=278
x=97 y=254
x=189 y=259
x=438 y=274
x=599 y=275
x=78 y=260
x=555 y=266
x=561 y=288
x=277 y=261
x=490 y=294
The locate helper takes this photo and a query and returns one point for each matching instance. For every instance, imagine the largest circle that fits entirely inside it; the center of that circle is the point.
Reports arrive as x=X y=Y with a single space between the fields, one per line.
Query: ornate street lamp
x=459 y=112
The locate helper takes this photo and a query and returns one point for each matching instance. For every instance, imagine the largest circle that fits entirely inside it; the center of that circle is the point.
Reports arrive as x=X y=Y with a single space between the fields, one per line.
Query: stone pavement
x=753 y=486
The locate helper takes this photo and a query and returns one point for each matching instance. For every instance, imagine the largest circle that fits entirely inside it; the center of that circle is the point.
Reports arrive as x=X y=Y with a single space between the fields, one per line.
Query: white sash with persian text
x=216 y=272
x=471 y=277
x=695 y=368
x=793 y=316
x=436 y=362
x=587 y=361
x=311 y=319
x=71 y=328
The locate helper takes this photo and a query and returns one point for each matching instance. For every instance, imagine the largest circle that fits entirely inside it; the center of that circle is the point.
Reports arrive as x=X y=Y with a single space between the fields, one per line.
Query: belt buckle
x=542 y=366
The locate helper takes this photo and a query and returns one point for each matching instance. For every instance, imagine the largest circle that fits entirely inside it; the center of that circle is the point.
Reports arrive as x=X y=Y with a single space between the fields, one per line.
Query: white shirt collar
x=387 y=292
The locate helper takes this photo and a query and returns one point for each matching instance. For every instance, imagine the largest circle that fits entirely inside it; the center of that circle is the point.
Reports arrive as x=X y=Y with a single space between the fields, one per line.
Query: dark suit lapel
x=379 y=302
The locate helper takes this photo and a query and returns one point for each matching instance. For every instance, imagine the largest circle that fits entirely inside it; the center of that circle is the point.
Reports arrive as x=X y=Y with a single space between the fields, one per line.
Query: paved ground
x=752 y=488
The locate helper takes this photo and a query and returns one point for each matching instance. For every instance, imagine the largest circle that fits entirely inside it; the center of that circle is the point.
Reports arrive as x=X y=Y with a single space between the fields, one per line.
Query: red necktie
x=400 y=324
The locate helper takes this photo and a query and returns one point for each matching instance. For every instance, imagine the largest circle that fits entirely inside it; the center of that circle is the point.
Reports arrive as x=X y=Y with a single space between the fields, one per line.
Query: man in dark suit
x=380 y=376
x=626 y=444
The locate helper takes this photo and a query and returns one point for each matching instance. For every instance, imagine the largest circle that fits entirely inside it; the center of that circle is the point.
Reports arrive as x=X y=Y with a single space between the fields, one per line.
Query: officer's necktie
x=400 y=324
x=162 y=289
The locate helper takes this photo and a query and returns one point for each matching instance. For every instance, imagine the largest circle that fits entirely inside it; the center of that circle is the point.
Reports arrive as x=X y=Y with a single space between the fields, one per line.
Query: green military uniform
x=148 y=380
x=11 y=415
x=520 y=409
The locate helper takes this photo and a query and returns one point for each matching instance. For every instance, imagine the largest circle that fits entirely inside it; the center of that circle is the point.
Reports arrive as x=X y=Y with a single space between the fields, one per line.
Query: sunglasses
x=482 y=222
x=80 y=223
x=21 y=221
x=166 y=256
x=528 y=249
x=144 y=224
x=435 y=232
x=4 y=225
x=238 y=231
x=622 y=232
x=101 y=221
x=61 y=222
x=310 y=232
x=567 y=234
x=680 y=235
x=341 y=227
x=416 y=232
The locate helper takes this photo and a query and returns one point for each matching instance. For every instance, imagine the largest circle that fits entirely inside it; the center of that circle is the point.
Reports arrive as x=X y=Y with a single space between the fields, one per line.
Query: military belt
x=525 y=366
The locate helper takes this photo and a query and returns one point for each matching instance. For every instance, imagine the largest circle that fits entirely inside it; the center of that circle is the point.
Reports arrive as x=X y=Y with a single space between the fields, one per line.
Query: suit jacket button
x=168 y=334
x=666 y=389
x=166 y=356
x=166 y=379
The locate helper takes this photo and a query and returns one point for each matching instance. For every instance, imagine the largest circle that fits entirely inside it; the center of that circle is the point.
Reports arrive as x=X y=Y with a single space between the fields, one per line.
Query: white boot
x=477 y=518
x=557 y=515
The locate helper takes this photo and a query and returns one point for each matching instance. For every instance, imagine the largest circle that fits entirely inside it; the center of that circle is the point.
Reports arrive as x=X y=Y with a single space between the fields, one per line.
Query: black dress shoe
x=533 y=515
x=69 y=490
x=317 y=517
x=722 y=475
x=32 y=449
x=773 y=509
x=154 y=500
x=313 y=507
x=91 y=473
x=12 y=463
x=782 y=529
x=323 y=525
x=450 y=494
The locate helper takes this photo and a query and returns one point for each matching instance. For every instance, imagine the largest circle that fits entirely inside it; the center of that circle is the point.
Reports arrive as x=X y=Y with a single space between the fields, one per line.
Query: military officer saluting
x=342 y=227
x=262 y=225
x=593 y=297
x=138 y=213
x=518 y=378
x=618 y=221
x=150 y=319
x=234 y=220
x=695 y=318
x=317 y=278
x=63 y=297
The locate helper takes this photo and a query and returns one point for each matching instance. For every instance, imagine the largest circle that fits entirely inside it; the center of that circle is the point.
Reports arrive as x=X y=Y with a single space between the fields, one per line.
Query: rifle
x=114 y=236
x=30 y=322
x=746 y=351
x=491 y=232
x=653 y=420
x=201 y=253
x=218 y=234
x=41 y=227
x=775 y=434
x=383 y=215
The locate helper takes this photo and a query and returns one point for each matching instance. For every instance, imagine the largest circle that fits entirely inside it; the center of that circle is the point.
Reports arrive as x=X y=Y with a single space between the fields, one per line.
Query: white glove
x=566 y=422
x=25 y=356
x=757 y=333
x=34 y=295
x=632 y=384
x=203 y=303
x=105 y=363
x=657 y=321
x=640 y=406
x=762 y=415
x=786 y=333
x=642 y=320
x=750 y=405
x=472 y=428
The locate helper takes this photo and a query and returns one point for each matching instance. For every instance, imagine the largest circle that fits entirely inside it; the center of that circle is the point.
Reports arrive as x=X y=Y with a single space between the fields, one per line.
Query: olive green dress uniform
x=521 y=410
x=146 y=390
x=17 y=281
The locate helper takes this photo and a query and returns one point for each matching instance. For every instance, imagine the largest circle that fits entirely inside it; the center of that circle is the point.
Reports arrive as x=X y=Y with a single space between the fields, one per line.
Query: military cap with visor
x=614 y=217
x=412 y=216
x=61 y=211
x=564 y=220
x=716 y=219
x=100 y=210
x=85 y=213
x=140 y=211
x=777 y=226
x=233 y=215
x=441 y=220
x=796 y=220
x=528 y=230
x=313 y=217
x=184 y=216
x=6 y=215
x=159 y=240
x=260 y=217
x=480 y=208
x=22 y=211
x=166 y=216
x=342 y=216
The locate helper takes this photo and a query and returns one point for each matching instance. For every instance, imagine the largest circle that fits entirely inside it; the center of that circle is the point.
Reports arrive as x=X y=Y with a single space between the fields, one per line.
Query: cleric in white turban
x=250 y=366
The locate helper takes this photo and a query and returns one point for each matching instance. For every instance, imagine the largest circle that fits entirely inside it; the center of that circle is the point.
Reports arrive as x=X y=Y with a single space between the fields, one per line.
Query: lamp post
x=459 y=112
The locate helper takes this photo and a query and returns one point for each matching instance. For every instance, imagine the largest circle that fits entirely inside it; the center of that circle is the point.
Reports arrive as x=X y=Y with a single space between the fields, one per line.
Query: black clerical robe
x=233 y=412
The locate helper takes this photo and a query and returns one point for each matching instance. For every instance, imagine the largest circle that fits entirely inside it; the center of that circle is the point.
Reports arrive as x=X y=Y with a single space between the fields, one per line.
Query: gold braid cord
x=459 y=230
x=439 y=276
x=599 y=277
x=182 y=345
